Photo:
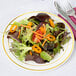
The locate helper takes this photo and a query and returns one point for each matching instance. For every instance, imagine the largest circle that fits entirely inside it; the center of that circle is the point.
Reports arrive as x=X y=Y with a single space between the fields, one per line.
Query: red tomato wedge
x=34 y=38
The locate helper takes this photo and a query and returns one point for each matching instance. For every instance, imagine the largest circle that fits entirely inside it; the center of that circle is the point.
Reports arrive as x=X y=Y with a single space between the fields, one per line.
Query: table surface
x=12 y=8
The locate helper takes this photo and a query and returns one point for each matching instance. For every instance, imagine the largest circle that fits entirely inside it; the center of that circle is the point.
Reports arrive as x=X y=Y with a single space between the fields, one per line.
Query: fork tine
x=71 y=6
x=65 y=7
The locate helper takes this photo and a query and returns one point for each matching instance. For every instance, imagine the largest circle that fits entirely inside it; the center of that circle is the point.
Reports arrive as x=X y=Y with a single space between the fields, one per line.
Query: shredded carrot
x=39 y=37
x=44 y=42
x=13 y=28
x=51 y=23
x=29 y=24
x=19 y=33
x=25 y=26
x=44 y=29
x=37 y=33
x=36 y=48
x=30 y=53
x=47 y=35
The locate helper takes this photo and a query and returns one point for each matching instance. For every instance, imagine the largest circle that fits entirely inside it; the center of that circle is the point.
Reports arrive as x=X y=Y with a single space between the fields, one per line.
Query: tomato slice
x=34 y=38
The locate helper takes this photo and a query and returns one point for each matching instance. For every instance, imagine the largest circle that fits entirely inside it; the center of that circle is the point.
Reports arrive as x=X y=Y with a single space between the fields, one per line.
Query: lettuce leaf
x=65 y=40
x=27 y=36
x=20 y=49
x=24 y=22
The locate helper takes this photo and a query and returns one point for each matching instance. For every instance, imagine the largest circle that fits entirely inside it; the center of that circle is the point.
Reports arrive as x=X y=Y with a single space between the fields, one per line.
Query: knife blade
x=64 y=14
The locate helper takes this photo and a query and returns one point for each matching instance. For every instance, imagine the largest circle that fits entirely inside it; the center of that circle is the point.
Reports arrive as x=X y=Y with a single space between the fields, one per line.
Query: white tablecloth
x=12 y=8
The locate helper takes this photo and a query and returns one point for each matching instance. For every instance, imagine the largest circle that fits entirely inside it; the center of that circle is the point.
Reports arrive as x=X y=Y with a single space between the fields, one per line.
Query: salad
x=37 y=38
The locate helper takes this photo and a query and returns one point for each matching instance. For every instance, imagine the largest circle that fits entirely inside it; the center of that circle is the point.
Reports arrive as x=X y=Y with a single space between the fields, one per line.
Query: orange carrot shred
x=51 y=23
x=30 y=24
x=30 y=53
x=25 y=26
x=44 y=29
x=37 y=33
x=47 y=35
x=39 y=37
x=19 y=33
x=44 y=42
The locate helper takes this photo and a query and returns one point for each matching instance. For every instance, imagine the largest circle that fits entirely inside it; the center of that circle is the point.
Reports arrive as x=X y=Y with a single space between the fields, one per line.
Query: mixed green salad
x=37 y=38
